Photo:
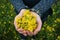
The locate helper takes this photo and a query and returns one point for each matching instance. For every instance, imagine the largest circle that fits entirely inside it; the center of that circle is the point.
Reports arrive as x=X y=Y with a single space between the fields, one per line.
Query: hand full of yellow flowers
x=27 y=21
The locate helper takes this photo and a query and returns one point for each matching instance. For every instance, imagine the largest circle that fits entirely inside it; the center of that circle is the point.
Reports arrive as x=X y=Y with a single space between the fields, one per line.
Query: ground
x=50 y=29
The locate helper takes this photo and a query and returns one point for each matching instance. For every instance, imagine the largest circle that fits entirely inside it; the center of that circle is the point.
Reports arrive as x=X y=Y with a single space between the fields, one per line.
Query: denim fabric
x=31 y=3
x=18 y=4
x=43 y=6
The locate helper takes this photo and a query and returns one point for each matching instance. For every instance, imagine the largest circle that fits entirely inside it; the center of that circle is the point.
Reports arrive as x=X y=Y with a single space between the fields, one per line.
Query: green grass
x=50 y=29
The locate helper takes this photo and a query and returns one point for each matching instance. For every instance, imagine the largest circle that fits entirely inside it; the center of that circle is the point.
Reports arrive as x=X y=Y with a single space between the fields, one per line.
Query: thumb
x=38 y=28
x=36 y=31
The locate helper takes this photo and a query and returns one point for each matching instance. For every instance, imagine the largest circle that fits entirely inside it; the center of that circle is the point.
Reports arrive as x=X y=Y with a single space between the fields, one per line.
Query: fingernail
x=25 y=34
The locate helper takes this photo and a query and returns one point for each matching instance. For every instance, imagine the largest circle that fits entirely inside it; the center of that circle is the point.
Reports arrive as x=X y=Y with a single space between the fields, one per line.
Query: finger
x=21 y=30
x=15 y=25
x=35 y=32
x=39 y=22
x=37 y=29
x=25 y=34
x=29 y=33
x=22 y=11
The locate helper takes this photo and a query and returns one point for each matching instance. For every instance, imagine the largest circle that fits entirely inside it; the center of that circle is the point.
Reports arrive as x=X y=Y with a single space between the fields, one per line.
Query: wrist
x=34 y=10
x=26 y=7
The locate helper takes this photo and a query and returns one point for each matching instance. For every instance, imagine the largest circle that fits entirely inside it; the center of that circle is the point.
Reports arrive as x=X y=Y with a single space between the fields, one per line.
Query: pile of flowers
x=27 y=21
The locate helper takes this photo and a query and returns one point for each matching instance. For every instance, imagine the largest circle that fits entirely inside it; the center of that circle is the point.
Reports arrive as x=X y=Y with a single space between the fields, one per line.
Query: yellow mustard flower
x=49 y=28
x=4 y=22
x=58 y=20
x=27 y=21
x=58 y=37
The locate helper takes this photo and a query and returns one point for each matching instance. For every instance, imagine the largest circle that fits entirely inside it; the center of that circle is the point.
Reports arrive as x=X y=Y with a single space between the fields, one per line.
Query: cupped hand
x=39 y=24
x=20 y=30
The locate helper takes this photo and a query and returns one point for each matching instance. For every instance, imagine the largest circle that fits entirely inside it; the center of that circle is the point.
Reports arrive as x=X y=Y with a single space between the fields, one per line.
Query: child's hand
x=20 y=30
x=39 y=22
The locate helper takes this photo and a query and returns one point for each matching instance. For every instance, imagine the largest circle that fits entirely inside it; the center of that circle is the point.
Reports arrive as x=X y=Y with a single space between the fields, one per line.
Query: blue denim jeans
x=18 y=5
